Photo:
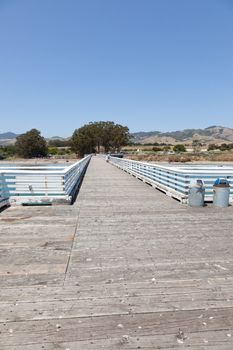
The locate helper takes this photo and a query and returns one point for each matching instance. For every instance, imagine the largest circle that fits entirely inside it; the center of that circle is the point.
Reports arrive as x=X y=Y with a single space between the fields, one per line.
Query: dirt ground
x=38 y=161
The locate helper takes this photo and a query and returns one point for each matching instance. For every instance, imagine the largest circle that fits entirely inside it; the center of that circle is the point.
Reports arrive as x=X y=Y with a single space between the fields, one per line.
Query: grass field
x=183 y=157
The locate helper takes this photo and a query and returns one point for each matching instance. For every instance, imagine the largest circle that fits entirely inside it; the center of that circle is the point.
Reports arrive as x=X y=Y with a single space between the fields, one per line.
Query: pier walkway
x=125 y=267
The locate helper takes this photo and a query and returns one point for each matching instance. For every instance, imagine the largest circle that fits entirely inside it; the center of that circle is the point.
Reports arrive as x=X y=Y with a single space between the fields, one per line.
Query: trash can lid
x=221 y=181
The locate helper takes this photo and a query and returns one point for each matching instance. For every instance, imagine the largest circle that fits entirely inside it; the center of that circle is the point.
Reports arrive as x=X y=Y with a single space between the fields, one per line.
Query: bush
x=179 y=148
x=156 y=149
x=7 y=151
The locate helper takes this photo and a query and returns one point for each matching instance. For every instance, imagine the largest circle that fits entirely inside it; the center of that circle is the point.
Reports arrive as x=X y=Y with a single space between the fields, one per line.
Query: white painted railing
x=4 y=198
x=41 y=184
x=175 y=180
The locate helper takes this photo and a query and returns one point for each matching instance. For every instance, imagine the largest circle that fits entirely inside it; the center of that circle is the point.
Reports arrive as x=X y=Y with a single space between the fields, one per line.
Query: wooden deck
x=124 y=268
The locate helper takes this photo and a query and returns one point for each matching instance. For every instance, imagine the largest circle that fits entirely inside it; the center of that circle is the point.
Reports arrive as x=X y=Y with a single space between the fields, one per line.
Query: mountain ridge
x=212 y=134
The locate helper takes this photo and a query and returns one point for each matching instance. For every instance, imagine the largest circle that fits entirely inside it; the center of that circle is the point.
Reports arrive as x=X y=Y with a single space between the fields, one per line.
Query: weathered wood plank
x=179 y=289
x=124 y=268
x=79 y=307
x=195 y=341
x=76 y=329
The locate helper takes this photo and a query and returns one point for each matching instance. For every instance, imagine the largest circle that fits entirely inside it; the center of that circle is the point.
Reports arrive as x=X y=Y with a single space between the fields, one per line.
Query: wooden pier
x=125 y=267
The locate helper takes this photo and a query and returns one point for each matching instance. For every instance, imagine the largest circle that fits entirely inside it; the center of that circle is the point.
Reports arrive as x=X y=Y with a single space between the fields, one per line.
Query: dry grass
x=40 y=161
x=184 y=157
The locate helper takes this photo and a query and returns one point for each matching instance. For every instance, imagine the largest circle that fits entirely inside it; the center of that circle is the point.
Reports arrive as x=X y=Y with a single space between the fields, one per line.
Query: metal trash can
x=196 y=196
x=221 y=193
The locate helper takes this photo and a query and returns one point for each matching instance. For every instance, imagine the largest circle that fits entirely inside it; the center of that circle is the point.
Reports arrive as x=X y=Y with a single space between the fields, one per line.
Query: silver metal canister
x=196 y=197
x=221 y=193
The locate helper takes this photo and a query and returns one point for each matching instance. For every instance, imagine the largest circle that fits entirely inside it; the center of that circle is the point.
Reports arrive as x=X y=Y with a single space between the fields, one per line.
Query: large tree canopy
x=92 y=136
x=84 y=140
x=31 y=144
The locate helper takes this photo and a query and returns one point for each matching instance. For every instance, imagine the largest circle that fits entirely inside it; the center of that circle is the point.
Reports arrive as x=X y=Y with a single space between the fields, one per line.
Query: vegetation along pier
x=125 y=267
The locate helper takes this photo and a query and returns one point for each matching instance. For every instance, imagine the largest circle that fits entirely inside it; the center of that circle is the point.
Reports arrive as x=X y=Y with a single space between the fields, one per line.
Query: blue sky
x=149 y=64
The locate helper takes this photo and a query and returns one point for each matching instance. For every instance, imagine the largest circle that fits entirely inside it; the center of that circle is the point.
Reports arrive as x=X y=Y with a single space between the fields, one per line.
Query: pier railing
x=4 y=197
x=175 y=180
x=41 y=184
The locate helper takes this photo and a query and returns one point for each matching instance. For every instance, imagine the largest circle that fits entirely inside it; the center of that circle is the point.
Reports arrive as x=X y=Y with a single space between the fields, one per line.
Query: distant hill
x=212 y=134
x=143 y=134
x=57 y=138
x=8 y=135
x=7 y=138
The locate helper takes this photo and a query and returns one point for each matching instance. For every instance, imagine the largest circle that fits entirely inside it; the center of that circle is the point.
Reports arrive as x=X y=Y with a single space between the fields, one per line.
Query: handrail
x=36 y=185
x=175 y=180
x=4 y=198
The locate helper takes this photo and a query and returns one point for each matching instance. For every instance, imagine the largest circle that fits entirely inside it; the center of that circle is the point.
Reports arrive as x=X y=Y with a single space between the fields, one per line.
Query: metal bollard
x=196 y=197
x=221 y=189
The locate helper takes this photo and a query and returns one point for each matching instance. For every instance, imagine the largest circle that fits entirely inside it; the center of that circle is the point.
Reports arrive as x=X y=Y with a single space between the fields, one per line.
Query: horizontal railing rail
x=4 y=197
x=42 y=184
x=175 y=180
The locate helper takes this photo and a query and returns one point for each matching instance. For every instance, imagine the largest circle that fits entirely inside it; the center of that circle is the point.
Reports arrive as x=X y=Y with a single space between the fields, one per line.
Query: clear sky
x=149 y=64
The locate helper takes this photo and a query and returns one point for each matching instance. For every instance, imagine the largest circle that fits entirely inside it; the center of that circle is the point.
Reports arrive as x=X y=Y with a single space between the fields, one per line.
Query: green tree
x=114 y=136
x=31 y=144
x=92 y=136
x=84 y=140
x=212 y=147
x=224 y=147
x=179 y=148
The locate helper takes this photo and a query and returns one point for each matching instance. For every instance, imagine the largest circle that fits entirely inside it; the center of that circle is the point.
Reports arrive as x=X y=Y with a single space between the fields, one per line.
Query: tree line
x=92 y=137
x=222 y=147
